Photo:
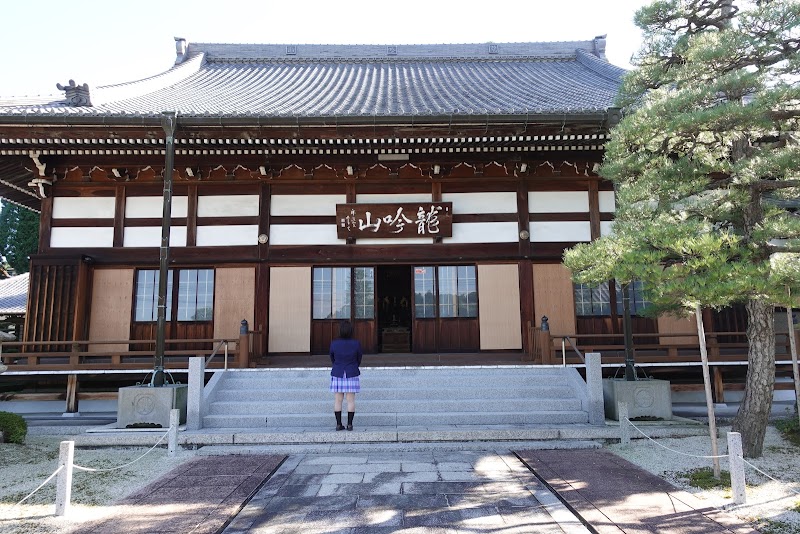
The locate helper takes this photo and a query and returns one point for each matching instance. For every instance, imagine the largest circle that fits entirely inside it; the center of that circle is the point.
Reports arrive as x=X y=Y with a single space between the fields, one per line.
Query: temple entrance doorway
x=394 y=308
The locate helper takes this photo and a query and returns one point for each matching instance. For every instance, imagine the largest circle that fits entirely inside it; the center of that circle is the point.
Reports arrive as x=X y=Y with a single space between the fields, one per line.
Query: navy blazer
x=345 y=357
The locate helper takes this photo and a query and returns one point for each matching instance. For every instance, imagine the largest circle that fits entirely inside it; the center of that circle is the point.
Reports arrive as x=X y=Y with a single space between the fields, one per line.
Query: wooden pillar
x=45 y=224
x=80 y=323
x=594 y=209
x=191 y=216
x=72 y=394
x=119 y=216
x=526 y=302
x=719 y=392
x=243 y=347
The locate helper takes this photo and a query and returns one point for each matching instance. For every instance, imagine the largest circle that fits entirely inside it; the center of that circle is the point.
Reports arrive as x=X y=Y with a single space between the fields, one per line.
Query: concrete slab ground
x=615 y=496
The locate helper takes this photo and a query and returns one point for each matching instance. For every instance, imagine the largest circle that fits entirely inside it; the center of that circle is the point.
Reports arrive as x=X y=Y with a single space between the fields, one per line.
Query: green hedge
x=14 y=427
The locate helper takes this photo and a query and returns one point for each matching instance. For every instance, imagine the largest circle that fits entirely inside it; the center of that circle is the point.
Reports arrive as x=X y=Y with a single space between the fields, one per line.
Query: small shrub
x=14 y=427
x=789 y=429
x=703 y=478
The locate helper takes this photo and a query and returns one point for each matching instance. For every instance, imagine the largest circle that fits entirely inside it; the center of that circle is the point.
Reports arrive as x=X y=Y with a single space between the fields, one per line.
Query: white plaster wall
x=152 y=207
x=83 y=208
x=488 y=232
x=227 y=206
x=498 y=202
x=305 y=204
x=560 y=231
x=83 y=237
x=304 y=234
x=607 y=202
x=227 y=235
x=150 y=236
x=605 y=228
x=393 y=199
x=558 y=201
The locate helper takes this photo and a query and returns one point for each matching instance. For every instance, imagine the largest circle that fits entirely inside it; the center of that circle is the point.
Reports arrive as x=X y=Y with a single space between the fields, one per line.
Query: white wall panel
x=560 y=231
x=488 y=232
x=227 y=235
x=152 y=207
x=605 y=228
x=393 y=199
x=501 y=202
x=74 y=237
x=607 y=202
x=305 y=204
x=83 y=208
x=558 y=201
x=227 y=206
x=150 y=236
x=304 y=234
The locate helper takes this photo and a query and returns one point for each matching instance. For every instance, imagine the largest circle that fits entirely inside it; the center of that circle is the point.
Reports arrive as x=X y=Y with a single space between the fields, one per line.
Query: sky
x=45 y=42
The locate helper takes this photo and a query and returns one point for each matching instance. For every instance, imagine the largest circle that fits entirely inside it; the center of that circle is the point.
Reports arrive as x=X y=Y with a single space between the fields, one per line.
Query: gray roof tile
x=361 y=80
x=14 y=295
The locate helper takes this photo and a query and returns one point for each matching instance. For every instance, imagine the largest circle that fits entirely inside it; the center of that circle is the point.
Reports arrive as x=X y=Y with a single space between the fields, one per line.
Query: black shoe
x=340 y=427
x=349 y=427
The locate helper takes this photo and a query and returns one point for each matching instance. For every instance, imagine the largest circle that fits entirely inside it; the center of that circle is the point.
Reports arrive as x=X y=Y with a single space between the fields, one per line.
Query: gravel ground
x=773 y=506
x=769 y=505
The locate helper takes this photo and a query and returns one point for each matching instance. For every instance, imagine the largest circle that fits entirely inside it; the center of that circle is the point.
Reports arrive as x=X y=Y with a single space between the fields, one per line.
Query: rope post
x=66 y=454
x=172 y=437
x=736 y=465
x=624 y=423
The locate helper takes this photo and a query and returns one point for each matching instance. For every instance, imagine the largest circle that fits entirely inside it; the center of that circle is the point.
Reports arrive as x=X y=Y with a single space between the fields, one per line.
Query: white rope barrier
x=60 y=467
x=673 y=450
x=770 y=477
x=91 y=469
x=97 y=470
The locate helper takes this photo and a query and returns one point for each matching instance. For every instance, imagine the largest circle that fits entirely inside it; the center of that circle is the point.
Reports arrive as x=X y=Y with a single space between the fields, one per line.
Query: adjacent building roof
x=284 y=81
x=14 y=295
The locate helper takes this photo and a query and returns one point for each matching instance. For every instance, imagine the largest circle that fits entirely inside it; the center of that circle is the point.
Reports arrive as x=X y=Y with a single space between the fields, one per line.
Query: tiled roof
x=14 y=295
x=228 y=80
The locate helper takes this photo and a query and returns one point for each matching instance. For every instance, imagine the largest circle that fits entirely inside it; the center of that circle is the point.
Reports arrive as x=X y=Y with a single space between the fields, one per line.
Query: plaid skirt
x=348 y=384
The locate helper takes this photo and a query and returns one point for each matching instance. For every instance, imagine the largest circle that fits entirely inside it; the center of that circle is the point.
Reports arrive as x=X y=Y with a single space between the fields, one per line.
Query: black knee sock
x=338 y=416
x=350 y=417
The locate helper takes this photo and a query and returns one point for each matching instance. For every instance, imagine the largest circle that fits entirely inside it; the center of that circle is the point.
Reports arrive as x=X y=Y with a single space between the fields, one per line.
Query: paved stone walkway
x=443 y=492
x=200 y=497
x=616 y=496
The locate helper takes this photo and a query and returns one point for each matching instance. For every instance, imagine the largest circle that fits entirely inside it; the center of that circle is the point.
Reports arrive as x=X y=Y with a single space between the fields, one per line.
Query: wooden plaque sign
x=419 y=219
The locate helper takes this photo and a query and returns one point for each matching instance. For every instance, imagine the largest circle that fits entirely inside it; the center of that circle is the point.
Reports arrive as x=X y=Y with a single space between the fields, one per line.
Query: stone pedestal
x=147 y=404
x=645 y=398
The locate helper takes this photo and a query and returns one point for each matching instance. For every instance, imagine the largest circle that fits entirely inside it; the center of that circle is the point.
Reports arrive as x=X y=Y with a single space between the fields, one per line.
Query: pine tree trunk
x=753 y=416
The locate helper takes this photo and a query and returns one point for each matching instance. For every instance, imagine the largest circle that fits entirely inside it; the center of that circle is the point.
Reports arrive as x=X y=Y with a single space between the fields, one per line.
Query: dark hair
x=345 y=330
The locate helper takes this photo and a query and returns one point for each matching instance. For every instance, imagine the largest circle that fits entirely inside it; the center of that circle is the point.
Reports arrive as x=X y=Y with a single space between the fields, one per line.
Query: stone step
x=432 y=406
x=385 y=393
x=321 y=421
x=399 y=380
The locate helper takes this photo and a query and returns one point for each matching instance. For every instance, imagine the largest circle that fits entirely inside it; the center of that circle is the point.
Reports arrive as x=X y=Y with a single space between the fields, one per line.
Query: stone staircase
x=420 y=398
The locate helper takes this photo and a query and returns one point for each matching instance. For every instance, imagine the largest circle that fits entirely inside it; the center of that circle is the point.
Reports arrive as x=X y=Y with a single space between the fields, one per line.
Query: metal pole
x=630 y=371
x=168 y=123
x=712 y=420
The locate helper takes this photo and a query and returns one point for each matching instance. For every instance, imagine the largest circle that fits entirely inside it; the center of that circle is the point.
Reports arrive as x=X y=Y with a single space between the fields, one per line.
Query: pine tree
x=19 y=235
x=706 y=163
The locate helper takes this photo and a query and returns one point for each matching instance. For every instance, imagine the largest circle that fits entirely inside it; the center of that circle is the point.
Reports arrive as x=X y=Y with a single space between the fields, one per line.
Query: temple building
x=425 y=192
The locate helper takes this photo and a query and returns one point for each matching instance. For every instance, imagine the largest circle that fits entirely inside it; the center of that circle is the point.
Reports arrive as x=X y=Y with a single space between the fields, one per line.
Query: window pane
x=321 y=290
x=424 y=297
x=204 y=310
x=448 y=292
x=146 y=305
x=592 y=301
x=467 y=292
x=364 y=291
x=637 y=297
x=340 y=293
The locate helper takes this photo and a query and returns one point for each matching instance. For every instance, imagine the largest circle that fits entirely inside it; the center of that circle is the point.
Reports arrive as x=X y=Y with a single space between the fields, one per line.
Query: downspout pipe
x=169 y=122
